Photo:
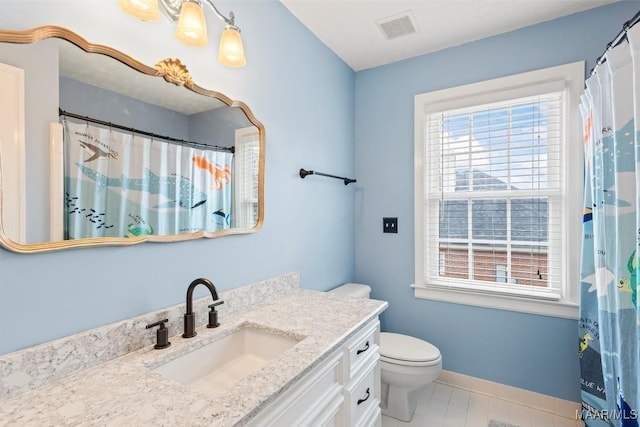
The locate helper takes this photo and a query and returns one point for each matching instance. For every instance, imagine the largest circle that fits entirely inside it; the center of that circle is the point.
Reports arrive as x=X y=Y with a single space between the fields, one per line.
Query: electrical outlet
x=390 y=225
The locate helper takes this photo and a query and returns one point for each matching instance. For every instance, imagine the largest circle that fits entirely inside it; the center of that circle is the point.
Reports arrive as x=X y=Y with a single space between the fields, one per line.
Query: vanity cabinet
x=342 y=391
x=362 y=373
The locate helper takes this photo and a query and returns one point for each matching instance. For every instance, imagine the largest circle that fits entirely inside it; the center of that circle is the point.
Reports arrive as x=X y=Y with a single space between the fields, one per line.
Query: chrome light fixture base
x=171 y=9
x=192 y=29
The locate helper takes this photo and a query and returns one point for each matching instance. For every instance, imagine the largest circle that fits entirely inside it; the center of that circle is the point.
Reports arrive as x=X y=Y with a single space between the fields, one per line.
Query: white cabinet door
x=307 y=402
x=343 y=391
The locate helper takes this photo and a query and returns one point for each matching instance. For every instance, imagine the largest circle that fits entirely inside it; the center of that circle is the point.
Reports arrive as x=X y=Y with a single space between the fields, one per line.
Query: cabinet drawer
x=360 y=347
x=361 y=397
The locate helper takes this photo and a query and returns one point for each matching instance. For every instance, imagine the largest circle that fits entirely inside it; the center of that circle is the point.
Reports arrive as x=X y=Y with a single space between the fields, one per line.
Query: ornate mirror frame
x=174 y=72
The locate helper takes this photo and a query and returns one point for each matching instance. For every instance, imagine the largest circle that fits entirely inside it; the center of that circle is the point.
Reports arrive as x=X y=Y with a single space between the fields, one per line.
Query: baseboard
x=553 y=405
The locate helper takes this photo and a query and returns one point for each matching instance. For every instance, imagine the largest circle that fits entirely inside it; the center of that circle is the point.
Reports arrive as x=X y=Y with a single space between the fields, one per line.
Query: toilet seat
x=407 y=351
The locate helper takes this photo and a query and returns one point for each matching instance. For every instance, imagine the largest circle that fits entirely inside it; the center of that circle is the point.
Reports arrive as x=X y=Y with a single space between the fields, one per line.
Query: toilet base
x=398 y=402
x=401 y=384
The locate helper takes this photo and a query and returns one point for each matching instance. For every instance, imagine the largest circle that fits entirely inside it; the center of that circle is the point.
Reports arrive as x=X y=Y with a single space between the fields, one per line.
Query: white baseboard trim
x=543 y=402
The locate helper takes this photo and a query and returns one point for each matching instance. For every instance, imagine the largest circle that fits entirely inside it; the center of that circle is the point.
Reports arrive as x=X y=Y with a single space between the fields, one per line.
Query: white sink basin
x=217 y=366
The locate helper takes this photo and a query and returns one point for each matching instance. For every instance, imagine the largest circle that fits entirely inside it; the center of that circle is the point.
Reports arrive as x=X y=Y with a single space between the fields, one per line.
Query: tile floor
x=440 y=405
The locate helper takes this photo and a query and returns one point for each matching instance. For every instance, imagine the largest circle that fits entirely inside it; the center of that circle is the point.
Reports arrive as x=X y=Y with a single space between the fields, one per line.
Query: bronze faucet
x=189 y=318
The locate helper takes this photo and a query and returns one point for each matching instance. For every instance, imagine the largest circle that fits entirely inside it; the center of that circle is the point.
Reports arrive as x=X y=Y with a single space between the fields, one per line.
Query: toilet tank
x=357 y=290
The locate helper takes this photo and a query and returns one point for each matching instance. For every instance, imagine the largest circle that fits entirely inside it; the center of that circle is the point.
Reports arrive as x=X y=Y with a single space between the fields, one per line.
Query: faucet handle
x=158 y=323
x=215 y=304
x=162 y=334
x=213 y=314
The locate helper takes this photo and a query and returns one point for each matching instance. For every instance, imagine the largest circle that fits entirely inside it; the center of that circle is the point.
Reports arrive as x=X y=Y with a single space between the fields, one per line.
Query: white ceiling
x=348 y=27
x=107 y=73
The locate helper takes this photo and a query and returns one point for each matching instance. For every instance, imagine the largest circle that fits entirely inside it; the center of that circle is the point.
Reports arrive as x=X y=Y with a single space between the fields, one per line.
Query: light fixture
x=231 y=52
x=192 y=28
x=145 y=10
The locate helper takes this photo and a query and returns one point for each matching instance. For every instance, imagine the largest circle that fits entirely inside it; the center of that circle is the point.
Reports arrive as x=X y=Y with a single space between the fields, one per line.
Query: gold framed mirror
x=71 y=187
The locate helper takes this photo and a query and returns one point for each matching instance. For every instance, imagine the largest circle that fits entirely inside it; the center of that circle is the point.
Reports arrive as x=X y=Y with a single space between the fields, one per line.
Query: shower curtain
x=609 y=324
x=120 y=184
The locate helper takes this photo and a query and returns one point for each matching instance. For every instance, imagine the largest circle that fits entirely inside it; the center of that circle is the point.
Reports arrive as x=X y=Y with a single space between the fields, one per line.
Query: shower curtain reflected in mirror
x=609 y=323
x=120 y=184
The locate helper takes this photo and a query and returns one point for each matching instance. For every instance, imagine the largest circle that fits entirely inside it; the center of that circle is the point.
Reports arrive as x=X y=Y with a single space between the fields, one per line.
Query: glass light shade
x=231 y=52
x=192 y=28
x=145 y=10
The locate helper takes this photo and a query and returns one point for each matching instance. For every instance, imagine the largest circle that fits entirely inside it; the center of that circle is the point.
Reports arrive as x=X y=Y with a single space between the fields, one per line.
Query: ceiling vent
x=398 y=25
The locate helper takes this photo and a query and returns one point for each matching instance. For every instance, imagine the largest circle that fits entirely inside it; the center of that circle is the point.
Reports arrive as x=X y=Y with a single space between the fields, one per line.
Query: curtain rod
x=61 y=112
x=616 y=41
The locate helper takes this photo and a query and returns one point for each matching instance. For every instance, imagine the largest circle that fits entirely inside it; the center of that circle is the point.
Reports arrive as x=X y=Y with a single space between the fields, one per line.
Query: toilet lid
x=405 y=348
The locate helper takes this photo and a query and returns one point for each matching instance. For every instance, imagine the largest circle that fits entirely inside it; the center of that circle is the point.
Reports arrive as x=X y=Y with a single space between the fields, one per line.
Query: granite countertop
x=125 y=390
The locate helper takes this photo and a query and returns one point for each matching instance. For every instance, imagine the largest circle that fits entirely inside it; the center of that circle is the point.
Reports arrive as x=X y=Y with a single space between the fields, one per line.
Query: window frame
x=571 y=77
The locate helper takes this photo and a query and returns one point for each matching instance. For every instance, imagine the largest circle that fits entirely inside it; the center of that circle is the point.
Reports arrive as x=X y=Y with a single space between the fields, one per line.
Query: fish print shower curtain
x=609 y=324
x=119 y=184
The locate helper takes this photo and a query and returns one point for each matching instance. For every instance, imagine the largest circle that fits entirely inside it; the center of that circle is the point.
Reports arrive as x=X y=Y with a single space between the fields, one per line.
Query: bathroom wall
x=532 y=352
x=218 y=126
x=304 y=96
x=213 y=127
x=113 y=107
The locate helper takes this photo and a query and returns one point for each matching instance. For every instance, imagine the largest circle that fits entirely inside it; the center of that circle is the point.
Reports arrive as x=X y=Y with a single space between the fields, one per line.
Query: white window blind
x=246 y=165
x=493 y=195
x=498 y=192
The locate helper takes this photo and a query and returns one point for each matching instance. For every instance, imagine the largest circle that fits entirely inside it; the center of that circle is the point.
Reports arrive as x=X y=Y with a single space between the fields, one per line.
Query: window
x=246 y=166
x=498 y=180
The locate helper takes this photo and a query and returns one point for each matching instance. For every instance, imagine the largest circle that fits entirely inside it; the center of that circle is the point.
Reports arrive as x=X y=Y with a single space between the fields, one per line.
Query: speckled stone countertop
x=125 y=391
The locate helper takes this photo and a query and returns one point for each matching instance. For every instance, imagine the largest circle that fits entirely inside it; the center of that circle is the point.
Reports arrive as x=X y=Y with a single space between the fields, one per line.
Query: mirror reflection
x=144 y=154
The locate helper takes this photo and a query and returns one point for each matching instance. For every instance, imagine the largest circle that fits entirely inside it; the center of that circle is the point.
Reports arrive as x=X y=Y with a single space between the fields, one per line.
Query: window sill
x=560 y=309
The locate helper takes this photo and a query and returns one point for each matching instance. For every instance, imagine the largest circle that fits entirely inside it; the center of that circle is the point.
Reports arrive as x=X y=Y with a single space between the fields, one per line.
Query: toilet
x=406 y=364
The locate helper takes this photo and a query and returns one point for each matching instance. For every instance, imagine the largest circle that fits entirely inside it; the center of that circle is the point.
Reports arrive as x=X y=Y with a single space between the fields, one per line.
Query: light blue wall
x=213 y=127
x=88 y=100
x=217 y=126
x=304 y=96
x=532 y=352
